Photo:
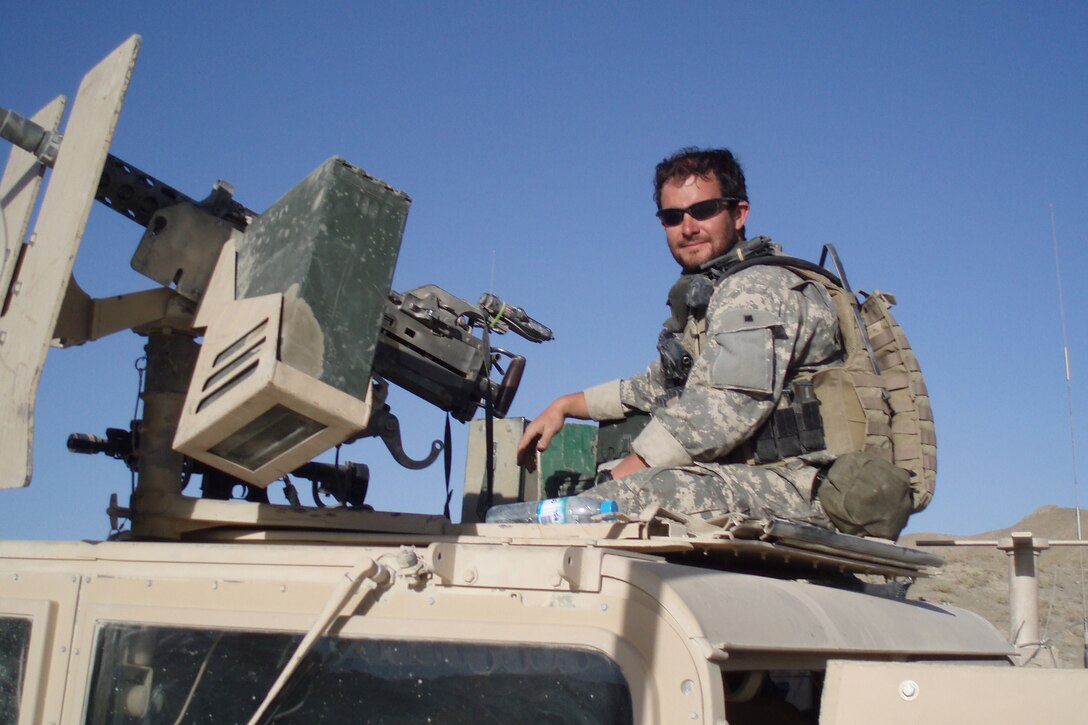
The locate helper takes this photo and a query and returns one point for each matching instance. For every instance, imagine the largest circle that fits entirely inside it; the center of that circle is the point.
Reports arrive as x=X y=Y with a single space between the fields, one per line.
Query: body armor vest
x=688 y=300
x=875 y=402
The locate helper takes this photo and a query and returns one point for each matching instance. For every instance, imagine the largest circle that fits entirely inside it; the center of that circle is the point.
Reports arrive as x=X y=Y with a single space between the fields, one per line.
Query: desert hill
x=977 y=578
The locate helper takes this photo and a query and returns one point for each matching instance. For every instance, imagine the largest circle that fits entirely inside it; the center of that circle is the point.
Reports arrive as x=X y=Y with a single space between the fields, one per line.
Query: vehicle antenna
x=492 y=285
x=1072 y=435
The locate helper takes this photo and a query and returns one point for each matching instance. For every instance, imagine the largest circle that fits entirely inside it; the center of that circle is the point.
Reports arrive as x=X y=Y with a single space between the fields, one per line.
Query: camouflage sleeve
x=603 y=401
x=762 y=324
x=640 y=391
x=618 y=398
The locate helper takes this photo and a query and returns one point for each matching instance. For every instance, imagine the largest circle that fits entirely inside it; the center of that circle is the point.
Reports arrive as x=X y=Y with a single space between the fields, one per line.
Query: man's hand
x=539 y=433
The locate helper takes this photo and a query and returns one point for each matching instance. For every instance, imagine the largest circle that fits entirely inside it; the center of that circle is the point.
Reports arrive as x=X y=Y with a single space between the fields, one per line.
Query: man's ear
x=740 y=215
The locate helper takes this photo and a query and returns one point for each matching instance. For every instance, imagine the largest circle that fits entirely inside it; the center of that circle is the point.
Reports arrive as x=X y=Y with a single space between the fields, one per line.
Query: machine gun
x=445 y=365
x=284 y=372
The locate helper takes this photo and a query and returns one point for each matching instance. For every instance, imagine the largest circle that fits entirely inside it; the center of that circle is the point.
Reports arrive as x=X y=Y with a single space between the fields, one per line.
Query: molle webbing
x=914 y=437
x=792 y=430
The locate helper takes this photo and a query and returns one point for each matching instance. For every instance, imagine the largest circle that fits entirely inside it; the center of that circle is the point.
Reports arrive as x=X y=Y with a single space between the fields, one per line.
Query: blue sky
x=931 y=142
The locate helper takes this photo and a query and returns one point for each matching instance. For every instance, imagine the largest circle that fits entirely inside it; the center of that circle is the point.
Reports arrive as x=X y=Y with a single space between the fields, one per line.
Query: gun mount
x=300 y=326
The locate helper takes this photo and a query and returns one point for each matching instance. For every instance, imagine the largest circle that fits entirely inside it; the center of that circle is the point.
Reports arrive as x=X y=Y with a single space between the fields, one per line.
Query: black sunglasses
x=700 y=211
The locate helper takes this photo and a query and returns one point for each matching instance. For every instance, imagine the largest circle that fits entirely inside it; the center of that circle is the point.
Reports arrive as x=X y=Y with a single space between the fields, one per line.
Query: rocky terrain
x=977 y=578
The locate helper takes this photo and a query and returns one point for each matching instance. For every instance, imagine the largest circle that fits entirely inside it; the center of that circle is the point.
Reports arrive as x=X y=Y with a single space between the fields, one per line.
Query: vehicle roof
x=740 y=621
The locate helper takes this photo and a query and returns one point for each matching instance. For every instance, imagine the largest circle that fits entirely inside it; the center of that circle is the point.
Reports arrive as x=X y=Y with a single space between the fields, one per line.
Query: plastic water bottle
x=565 y=510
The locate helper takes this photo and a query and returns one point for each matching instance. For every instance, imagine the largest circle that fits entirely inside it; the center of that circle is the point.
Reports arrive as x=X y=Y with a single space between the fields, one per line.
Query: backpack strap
x=819 y=272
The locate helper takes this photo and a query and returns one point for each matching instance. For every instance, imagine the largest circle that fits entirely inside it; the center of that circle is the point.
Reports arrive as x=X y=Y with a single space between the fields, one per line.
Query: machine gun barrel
x=124 y=188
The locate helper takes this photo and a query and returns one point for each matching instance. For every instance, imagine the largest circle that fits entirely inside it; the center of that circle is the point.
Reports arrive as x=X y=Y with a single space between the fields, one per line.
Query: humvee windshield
x=174 y=675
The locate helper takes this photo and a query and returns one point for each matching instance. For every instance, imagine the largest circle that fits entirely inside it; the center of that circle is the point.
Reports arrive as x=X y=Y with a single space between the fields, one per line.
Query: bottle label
x=552 y=511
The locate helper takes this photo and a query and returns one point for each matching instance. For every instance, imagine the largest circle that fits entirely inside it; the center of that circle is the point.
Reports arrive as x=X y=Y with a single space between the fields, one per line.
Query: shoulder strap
x=809 y=270
x=779 y=260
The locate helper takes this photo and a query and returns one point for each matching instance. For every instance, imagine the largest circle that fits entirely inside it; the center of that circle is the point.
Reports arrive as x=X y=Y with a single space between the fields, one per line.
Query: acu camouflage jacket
x=762 y=326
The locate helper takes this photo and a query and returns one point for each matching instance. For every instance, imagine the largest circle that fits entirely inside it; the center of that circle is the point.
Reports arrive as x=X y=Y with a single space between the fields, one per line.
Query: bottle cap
x=609 y=506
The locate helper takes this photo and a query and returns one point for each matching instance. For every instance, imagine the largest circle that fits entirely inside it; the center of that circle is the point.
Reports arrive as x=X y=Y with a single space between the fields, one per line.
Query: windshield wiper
x=367 y=570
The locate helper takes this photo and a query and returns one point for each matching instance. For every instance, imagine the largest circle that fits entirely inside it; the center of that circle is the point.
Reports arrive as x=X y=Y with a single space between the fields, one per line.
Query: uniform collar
x=691 y=293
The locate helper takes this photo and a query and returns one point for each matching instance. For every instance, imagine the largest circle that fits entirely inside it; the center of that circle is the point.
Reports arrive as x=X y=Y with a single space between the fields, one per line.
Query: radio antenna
x=1072 y=430
x=491 y=288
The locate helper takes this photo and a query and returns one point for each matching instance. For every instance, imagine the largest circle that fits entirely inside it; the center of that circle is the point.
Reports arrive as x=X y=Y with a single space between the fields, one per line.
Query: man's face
x=694 y=242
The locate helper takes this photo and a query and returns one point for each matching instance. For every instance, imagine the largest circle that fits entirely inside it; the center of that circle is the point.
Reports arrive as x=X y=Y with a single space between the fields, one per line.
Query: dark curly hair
x=692 y=161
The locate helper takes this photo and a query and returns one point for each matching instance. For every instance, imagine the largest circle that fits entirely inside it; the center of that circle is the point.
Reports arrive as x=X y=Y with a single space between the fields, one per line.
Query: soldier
x=733 y=345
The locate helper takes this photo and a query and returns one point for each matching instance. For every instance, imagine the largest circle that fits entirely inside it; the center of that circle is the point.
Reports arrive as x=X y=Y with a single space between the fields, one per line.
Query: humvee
x=215 y=605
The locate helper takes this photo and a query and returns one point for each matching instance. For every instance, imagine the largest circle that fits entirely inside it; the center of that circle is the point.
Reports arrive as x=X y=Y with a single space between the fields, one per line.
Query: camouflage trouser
x=715 y=489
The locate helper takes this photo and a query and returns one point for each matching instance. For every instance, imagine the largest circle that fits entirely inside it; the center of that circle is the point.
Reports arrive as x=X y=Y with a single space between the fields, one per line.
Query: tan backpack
x=877 y=402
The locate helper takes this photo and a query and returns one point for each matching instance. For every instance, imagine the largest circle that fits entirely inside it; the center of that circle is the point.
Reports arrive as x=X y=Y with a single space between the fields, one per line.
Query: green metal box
x=329 y=245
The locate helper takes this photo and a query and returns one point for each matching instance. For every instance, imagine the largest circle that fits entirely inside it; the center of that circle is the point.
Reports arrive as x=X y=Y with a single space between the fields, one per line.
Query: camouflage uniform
x=762 y=326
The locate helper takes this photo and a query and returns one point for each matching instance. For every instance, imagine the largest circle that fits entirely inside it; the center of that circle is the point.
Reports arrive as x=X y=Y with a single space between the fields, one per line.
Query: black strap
x=777 y=260
x=484 y=502
x=447 y=459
